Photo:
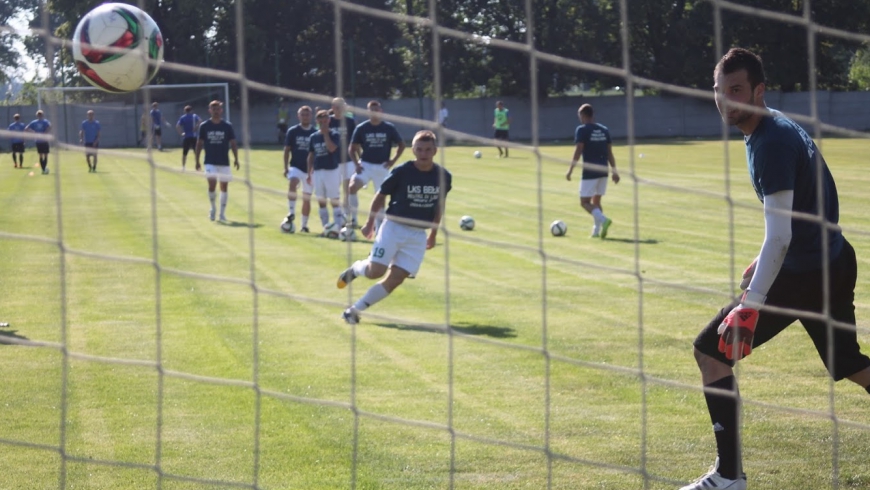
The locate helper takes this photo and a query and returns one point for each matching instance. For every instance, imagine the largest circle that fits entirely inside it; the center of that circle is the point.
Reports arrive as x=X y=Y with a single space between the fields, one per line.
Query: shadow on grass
x=10 y=334
x=467 y=329
x=648 y=241
x=239 y=224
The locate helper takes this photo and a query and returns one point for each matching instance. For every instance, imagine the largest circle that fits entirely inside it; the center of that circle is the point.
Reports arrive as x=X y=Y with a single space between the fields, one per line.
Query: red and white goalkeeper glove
x=747 y=275
x=738 y=329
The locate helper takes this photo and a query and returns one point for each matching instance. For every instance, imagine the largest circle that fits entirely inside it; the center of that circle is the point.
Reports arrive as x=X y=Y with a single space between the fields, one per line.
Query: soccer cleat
x=345 y=278
x=211 y=214
x=290 y=217
x=304 y=229
x=713 y=480
x=596 y=232
x=350 y=316
x=604 y=227
x=223 y=218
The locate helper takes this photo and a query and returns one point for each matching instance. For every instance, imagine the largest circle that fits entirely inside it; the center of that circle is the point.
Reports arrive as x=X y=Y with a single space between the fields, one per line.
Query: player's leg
x=598 y=211
x=291 y=199
x=211 y=178
x=586 y=193
x=224 y=183
x=357 y=182
x=158 y=138
x=306 y=209
x=334 y=183
x=386 y=245
x=185 y=148
x=96 y=150
x=507 y=137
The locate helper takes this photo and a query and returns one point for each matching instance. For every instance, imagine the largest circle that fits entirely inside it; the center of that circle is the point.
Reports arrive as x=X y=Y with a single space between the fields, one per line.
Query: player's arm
x=330 y=144
x=310 y=164
x=196 y=151
x=178 y=128
x=82 y=135
x=612 y=161
x=400 y=148
x=378 y=203
x=286 y=160
x=578 y=152
x=235 y=147
x=354 y=152
x=436 y=222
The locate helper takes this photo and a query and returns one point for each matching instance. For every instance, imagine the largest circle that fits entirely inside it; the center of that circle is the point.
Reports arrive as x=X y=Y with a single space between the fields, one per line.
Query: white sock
x=304 y=221
x=291 y=206
x=353 y=199
x=359 y=267
x=324 y=216
x=224 y=196
x=338 y=215
x=372 y=296
x=598 y=215
x=211 y=197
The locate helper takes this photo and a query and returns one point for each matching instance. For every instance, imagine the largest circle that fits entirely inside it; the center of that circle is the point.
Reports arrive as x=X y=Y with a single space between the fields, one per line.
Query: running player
x=296 y=165
x=41 y=125
x=217 y=136
x=187 y=126
x=324 y=171
x=89 y=137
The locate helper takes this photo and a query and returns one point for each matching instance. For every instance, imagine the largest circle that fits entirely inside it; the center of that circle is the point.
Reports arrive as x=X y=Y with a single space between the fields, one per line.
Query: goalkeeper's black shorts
x=803 y=291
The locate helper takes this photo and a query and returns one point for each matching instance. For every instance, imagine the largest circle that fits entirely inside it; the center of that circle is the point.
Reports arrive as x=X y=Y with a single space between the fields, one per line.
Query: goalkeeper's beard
x=740 y=116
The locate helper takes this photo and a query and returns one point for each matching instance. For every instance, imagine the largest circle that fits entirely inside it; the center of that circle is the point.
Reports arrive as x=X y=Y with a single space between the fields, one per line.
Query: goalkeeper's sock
x=723 y=410
x=372 y=296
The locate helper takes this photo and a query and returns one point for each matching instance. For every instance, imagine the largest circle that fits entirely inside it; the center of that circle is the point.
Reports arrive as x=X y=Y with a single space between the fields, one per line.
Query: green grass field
x=261 y=383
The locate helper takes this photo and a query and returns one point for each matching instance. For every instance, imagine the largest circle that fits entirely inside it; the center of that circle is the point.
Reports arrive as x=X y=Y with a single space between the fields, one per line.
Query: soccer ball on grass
x=347 y=234
x=331 y=231
x=478 y=154
x=117 y=47
x=466 y=223
x=287 y=226
x=558 y=228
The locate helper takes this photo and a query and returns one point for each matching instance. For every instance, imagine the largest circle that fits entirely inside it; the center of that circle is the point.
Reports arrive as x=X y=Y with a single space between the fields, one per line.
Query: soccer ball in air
x=558 y=228
x=466 y=223
x=287 y=226
x=347 y=234
x=332 y=230
x=117 y=47
x=478 y=154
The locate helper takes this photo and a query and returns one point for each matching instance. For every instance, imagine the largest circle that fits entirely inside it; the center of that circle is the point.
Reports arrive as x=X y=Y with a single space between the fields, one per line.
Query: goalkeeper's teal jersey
x=781 y=156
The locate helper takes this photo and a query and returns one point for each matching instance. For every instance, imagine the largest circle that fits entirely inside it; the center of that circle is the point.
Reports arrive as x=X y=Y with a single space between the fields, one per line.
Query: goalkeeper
x=788 y=272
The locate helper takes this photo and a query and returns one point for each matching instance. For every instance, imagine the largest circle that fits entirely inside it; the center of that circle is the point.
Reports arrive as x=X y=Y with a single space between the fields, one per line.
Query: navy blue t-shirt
x=376 y=140
x=414 y=194
x=781 y=156
x=297 y=139
x=216 y=137
x=595 y=138
x=323 y=159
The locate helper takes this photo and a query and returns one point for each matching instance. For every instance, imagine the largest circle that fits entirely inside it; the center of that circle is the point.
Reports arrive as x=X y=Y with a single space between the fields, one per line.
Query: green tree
x=9 y=56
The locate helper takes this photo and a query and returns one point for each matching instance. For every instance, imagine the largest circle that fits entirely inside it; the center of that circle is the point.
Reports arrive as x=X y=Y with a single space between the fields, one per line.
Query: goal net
x=146 y=346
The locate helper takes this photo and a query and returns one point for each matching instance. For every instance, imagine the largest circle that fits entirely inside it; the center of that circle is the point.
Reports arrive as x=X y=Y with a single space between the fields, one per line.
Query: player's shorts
x=327 y=183
x=157 y=131
x=372 y=172
x=298 y=173
x=91 y=148
x=348 y=170
x=593 y=187
x=399 y=245
x=223 y=173
x=282 y=127
x=17 y=147
x=188 y=144
x=41 y=147
x=803 y=291
x=502 y=134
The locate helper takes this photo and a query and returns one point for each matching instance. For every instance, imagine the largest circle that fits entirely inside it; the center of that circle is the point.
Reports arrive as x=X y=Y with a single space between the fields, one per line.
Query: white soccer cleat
x=713 y=480
x=211 y=214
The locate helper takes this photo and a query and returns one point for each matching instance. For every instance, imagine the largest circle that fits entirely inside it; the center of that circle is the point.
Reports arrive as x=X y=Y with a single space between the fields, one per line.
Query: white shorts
x=348 y=169
x=222 y=173
x=302 y=175
x=593 y=187
x=327 y=183
x=372 y=172
x=399 y=245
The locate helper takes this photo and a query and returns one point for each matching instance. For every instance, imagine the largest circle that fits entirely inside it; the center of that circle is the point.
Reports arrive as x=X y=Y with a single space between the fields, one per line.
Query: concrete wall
x=655 y=117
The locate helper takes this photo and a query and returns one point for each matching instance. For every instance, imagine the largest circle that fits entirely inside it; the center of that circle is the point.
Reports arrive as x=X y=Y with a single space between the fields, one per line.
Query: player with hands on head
x=324 y=170
x=296 y=146
x=803 y=265
x=217 y=137
x=417 y=192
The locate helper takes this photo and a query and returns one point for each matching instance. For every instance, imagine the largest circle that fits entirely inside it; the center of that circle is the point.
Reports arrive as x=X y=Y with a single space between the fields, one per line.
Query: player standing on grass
x=40 y=125
x=375 y=139
x=89 y=136
x=788 y=273
x=17 y=143
x=296 y=146
x=502 y=124
x=594 y=146
x=345 y=125
x=157 y=125
x=217 y=137
x=324 y=169
x=418 y=191
x=187 y=127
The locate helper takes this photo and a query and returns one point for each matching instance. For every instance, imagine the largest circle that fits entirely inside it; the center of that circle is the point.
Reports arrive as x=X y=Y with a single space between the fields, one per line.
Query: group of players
x=783 y=285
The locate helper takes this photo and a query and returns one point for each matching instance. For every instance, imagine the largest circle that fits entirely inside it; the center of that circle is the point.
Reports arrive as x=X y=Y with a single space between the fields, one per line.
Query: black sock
x=723 y=410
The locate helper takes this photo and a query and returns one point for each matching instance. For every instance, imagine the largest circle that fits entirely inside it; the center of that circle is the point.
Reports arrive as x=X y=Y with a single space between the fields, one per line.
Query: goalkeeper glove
x=738 y=329
x=747 y=275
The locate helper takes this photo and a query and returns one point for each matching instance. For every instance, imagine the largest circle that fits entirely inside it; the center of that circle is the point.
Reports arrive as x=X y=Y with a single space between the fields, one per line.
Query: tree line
x=292 y=44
